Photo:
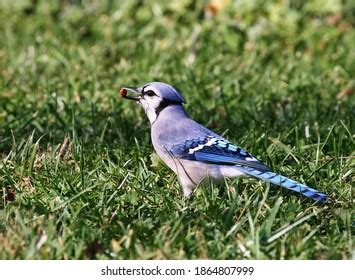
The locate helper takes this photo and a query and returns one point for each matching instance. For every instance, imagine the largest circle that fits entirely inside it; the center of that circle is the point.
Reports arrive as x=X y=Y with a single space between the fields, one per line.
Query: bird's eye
x=150 y=93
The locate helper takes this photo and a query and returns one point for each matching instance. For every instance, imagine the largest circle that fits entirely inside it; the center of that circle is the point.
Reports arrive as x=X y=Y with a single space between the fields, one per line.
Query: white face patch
x=150 y=103
x=251 y=159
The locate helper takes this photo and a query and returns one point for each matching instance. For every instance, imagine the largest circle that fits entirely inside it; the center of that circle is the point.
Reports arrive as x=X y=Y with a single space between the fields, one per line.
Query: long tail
x=285 y=182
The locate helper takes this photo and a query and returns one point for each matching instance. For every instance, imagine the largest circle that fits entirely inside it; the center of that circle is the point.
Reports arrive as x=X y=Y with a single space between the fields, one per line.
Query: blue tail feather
x=285 y=182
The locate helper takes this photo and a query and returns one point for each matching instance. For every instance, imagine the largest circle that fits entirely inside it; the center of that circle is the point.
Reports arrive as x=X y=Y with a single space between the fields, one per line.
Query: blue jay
x=194 y=152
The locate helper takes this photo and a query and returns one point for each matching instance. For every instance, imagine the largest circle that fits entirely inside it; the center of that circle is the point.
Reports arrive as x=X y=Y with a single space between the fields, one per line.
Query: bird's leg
x=184 y=178
x=187 y=189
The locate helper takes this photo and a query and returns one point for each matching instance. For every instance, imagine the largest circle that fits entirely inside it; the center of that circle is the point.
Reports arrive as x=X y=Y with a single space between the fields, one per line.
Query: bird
x=194 y=152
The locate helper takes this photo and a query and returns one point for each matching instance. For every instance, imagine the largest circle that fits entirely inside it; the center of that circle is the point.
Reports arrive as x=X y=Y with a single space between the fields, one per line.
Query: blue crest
x=165 y=91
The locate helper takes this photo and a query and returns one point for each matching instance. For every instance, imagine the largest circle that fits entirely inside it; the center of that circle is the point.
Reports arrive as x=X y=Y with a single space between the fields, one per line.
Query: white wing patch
x=201 y=146
x=223 y=144
x=251 y=159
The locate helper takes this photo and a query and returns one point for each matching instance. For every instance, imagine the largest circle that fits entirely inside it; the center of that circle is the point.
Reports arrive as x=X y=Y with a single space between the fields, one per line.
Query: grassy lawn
x=79 y=178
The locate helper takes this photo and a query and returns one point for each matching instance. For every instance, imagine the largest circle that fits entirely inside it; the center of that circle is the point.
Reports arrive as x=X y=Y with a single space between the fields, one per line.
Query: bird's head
x=154 y=97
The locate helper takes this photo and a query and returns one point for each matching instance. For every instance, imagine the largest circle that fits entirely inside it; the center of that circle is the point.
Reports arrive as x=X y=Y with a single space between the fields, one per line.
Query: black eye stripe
x=149 y=93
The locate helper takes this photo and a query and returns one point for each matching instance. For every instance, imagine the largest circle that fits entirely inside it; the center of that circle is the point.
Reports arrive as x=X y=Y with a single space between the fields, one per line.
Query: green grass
x=78 y=175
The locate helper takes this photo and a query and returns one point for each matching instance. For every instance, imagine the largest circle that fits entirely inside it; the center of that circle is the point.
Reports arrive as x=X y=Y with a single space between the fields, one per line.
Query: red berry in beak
x=123 y=92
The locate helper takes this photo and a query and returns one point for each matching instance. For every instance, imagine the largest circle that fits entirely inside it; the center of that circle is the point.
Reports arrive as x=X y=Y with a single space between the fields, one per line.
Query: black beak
x=124 y=90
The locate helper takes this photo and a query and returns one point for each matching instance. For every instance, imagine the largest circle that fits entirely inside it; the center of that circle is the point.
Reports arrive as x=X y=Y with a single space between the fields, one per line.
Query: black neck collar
x=165 y=103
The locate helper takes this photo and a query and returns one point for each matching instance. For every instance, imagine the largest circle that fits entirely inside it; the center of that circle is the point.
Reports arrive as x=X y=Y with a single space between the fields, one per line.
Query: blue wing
x=217 y=150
